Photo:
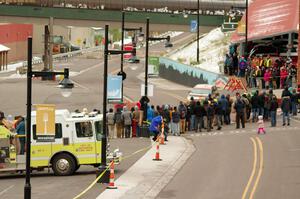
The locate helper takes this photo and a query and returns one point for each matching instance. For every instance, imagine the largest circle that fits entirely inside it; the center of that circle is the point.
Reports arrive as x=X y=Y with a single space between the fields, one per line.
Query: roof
x=3 y=48
x=268 y=18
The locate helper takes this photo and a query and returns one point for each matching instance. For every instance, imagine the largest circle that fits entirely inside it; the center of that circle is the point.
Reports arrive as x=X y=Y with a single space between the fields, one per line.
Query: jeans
x=198 y=123
x=261 y=111
x=192 y=122
x=273 y=118
x=22 y=145
x=255 y=113
x=175 y=128
x=127 y=131
x=286 y=115
x=219 y=120
x=294 y=108
x=240 y=118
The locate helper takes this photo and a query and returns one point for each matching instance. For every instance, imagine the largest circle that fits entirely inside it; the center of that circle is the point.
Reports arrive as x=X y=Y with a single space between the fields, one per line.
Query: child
x=261 y=125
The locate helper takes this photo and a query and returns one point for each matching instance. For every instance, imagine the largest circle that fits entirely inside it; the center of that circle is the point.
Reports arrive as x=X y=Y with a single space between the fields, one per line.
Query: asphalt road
x=224 y=161
x=87 y=73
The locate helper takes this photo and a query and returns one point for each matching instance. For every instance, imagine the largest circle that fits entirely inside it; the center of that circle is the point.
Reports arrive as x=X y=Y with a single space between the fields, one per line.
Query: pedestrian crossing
x=245 y=131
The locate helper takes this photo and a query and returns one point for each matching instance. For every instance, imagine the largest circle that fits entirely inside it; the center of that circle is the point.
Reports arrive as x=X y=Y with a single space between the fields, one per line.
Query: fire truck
x=77 y=142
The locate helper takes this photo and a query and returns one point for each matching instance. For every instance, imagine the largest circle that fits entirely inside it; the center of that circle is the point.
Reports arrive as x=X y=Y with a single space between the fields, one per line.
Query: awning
x=268 y=18
x=3 y=48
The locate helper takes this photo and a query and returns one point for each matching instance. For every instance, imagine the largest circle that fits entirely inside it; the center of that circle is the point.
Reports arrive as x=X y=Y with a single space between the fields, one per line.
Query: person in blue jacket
x=155 y=126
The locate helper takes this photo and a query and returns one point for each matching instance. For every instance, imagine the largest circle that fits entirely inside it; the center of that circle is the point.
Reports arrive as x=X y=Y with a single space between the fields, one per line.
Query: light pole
x=134 y=59
x=145 y=100
x=198 y=31
x=66 y=85
x=298 y=68
x=107 y=52
x=246 y=32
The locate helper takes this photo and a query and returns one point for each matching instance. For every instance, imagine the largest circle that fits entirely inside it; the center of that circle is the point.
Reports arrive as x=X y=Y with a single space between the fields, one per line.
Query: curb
x=171 y=170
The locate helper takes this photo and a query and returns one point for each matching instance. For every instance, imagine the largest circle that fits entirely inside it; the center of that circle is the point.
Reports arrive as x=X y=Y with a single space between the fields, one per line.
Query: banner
x=45 y=122
x=114 y=88
x=153 y=67
x=193 y=26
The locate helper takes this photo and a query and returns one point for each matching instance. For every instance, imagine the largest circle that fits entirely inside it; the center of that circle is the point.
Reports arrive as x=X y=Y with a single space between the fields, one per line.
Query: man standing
x=127 y=118
x=286 y=107
x=192 y=111
x=239 y=107
x=119 y=123
x=182 y=111
x=111 y=123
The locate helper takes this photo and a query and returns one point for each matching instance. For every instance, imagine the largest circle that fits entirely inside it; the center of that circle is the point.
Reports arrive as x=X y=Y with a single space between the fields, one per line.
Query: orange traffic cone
x=162 y=135
x=111 y=184
x=157 y=153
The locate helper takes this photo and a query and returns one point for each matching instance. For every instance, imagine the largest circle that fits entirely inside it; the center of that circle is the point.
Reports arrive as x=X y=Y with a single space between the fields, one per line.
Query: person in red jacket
x=283 y=76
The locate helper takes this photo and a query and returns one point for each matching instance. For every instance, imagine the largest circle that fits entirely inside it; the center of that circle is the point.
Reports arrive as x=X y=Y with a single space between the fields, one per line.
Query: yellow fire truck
x=77 y=142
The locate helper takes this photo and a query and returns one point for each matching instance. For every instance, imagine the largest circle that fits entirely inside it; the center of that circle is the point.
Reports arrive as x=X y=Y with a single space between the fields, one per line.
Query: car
x=200 y=91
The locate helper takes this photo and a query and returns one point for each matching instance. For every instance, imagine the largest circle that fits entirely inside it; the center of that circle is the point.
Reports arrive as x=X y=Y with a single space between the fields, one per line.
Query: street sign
x=193 y=27
x=153 y=68
x=114 y=88
x=150 y=90
x=45 y=122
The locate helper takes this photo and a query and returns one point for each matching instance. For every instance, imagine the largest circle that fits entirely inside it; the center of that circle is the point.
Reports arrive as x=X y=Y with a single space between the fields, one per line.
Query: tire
x=63 y=165
x=77 y=167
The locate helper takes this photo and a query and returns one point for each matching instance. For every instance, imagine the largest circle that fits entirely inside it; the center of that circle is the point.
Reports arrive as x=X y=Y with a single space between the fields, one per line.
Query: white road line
x=215 y=133
x=221 y=133
x=5 y=190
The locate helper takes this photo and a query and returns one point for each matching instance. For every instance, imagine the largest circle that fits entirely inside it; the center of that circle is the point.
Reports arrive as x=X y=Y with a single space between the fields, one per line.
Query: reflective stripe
x=86 y=156
x=39 y=158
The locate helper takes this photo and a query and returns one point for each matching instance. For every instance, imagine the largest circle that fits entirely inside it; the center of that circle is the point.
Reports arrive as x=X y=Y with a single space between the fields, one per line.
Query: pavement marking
x=253 y=168
x=5 y=190
x=261 y=152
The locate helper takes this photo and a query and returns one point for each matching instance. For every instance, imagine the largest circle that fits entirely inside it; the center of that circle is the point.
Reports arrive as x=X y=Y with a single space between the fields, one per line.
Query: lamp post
x=66 y=85
x=298 y=68
x=246 y=32
x=168 y=44
x=107 y=52
x=198 y=31
x=134 y=59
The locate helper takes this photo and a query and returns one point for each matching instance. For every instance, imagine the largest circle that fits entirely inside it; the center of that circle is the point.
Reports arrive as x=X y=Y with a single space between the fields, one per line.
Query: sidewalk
x=146 y=178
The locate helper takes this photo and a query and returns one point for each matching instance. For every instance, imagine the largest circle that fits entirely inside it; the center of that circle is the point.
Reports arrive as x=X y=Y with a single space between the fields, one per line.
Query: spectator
x=119 y=123
x=150 y=113
x=182 y=111
x=175 y=122
x=267 y=77
x=294 y=101
x=192 y=111
x=127 y=121
x=239 y=107
x=224 y=105
x=273 y=110
x=110 y=117
x=135 y=122
x=228 y=110
x=283 y=76
x=255 y=106
x=242 y=67
x=285 y=107
x=199 y=113
x=155 y=126
x=209 y=114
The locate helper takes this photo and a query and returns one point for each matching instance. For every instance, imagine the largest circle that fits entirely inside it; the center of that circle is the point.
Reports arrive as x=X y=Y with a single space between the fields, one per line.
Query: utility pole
x=246 y=32
x=298 y=68
x=51 y=44
x=198 y=33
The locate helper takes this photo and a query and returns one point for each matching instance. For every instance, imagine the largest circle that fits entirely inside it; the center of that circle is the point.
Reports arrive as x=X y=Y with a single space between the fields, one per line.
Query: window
x=58 y=131
x=84 y=129
x=98 y=129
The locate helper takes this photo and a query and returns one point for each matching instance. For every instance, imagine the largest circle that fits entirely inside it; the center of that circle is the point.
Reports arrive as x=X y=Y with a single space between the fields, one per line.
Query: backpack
x=119 y=118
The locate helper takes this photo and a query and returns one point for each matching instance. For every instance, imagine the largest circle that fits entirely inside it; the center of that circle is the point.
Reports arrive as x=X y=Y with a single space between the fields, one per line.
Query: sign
x=193 y=27
x=153 y=67
x=150 y=90
x=45 y=122
x=241 y=29
x=127 y=47
x=114 y=88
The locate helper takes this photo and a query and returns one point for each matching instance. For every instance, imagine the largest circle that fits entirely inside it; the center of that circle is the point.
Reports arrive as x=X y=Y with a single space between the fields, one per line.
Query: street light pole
x=122 y=48
x=104 y=128
x=246 y=32
x=103 y=164
x=64 y=84
x=298 y=68
x=27 y=188
x=198 y=31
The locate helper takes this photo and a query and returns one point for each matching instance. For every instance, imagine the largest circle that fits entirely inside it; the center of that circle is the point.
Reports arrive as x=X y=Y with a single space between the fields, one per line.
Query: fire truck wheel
x=63 y=165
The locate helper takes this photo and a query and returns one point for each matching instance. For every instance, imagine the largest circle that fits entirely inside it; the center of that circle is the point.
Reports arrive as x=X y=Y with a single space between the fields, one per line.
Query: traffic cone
x=162 y=135
x=111 y=184
x=157 y=153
